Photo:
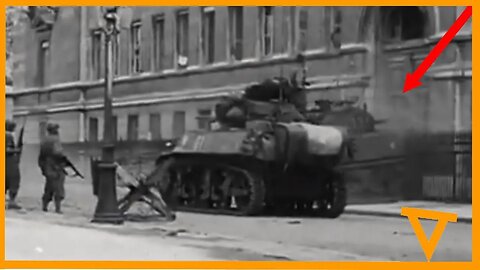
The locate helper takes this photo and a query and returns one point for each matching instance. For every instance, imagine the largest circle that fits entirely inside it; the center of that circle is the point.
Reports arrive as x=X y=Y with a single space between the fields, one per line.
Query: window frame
x=335 y=31
x=182 y=127
x=207 y=35
x=203 y=118
x=136 y=44
x=182 y=38
x=96 y=53
x=291 y=29
x=115 y=128
x=116 y=54
x=236 y=37
x=42 y=129
x=267 y=29
x=93 y=124
x=42 y=65
x=159 y=42
x=386 y=36
x=158 y=121
x=130 y=132
x=302 y=45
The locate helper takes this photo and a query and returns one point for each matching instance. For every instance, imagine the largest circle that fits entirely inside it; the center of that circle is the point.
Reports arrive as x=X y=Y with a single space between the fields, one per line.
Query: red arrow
x=413 y=79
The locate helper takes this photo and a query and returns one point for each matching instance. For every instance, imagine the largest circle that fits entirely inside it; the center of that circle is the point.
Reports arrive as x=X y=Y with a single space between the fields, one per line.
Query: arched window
x=336 y=28
x=402 y=23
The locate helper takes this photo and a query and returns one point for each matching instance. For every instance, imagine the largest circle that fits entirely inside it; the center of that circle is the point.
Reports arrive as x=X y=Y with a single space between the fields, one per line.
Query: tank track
x=330 y=206
x=183 y=185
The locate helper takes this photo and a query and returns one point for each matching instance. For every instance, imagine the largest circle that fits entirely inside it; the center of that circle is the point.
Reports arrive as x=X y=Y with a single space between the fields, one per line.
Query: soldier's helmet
x=10 y=125
x=52 y=127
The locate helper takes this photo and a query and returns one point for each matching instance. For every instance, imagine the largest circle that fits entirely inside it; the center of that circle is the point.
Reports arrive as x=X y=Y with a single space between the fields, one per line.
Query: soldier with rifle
x=52 y=163
x=12 y=161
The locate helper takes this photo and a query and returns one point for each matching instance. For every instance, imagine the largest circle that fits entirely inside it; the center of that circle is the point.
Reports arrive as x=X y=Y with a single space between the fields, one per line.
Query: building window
x=182 y=39
x=44 y=52
x=135 y=32
x=203 y=119
x=114 y=128
x=93 y=129
x=402 y=23
x=158 y=42
x=155 y=126
x=336 y=28
x=266 y=30
x=116 y=55
x=291 y=26
x=468 y=24
x=178 y=124
x=303 y=29
x=42 y=129
x=459 y=10
x=208 y=35
x=235 y=19
x=132 y=127
x=97 y=54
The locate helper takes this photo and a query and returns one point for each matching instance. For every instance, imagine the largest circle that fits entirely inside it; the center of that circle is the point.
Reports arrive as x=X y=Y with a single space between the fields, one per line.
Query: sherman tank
x=265 y=153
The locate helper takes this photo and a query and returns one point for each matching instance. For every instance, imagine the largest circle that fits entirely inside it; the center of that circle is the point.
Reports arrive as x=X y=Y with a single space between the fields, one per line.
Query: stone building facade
x=173 y=63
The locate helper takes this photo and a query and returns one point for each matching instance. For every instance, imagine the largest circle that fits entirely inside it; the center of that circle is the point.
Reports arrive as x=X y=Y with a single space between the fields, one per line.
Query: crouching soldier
x=12 y=171
x=52 y=163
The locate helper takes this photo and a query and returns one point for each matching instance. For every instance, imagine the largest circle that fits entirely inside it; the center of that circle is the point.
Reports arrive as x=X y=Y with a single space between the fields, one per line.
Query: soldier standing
x=12 y=170
x=52 y=162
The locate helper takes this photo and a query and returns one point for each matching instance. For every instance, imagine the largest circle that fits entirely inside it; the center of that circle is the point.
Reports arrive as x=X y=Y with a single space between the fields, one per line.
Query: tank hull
x=271 y=154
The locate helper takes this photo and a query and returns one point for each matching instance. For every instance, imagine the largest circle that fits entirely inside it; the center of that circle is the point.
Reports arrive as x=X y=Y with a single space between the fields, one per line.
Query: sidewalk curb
x=389 y=214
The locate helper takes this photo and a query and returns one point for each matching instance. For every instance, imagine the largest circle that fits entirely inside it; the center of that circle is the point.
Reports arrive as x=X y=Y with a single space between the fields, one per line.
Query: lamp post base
x=107 y=207
x=108 y=219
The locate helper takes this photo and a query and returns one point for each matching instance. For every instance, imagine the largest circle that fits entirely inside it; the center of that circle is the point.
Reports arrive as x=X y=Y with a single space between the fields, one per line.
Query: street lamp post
x=107 y=209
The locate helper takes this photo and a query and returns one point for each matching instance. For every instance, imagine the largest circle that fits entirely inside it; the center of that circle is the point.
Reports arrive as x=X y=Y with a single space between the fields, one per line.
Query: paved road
x=39 y=236
x=36 y=240
x=350 y=237
x=233 y=238
x=381 y=237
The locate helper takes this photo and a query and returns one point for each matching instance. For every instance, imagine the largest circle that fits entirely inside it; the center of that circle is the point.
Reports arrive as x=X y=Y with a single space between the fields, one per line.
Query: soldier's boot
x=58 y=207
x=12 y=204
x=45 y=205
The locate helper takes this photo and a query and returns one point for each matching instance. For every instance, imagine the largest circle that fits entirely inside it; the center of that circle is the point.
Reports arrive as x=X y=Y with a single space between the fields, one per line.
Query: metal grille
x=447 y=167
x=463 y=167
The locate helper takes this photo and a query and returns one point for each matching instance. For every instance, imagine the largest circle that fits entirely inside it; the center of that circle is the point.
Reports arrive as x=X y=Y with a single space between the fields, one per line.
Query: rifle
x=20 y=137
x=68 y=163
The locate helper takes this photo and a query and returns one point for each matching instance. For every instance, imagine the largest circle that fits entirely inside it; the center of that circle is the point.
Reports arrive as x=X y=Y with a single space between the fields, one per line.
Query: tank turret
x=275 y=99
x=342 y=113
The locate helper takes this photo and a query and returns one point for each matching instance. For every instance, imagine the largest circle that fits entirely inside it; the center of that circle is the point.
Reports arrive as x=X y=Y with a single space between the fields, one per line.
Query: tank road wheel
x=285 y=207
x=166 y=181
x=305 y=207
x=197 y=186
x=244 y=192
x=333 y=205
